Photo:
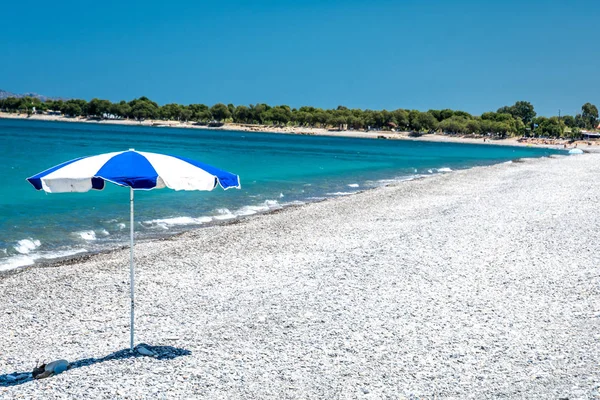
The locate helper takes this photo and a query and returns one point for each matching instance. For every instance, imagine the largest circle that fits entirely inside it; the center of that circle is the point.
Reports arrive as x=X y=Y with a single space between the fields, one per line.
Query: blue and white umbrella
x=139 y=171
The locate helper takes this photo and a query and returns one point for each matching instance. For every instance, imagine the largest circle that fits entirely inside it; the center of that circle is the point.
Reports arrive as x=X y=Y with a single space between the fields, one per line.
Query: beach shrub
x=508 y=120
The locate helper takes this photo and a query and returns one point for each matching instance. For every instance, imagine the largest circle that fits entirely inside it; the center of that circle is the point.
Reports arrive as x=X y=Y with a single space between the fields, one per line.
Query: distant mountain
x=4 y=94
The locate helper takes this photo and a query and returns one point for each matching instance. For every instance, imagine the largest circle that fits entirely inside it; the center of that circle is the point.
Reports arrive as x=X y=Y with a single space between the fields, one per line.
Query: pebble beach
x=479 y=283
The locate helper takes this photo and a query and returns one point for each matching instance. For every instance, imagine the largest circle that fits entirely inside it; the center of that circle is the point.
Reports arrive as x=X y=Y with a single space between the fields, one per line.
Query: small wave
x=27 y=260
x=353 y=185
x=271 y=203
x=445 y=169
x=340 y=193
x=61 y=253
x=224 y=213
x=121 y=226
x=104 y=232
x=166 y=222
x=16 y=262
x=26 y=245
x=250 y=210
x=410 y=178
x=430 y=171
x=383 y=182
x=87 y=235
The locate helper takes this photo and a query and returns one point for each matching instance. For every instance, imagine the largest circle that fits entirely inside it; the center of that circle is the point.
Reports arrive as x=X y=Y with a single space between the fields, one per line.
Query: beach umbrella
x=137 y=170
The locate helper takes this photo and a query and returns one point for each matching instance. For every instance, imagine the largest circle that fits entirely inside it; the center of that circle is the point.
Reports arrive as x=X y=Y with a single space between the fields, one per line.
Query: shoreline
x=159 y=237
x=476 y=283
x=156 y=238
x=436 y=137
x=166 y=236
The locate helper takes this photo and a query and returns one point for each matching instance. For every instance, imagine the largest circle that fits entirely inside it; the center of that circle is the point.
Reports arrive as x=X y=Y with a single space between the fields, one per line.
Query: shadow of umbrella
x=161 y=353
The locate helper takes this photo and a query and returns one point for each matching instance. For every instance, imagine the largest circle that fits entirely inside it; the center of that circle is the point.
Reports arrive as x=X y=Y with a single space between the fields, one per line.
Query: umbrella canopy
x=136 y=169
x=139 y=171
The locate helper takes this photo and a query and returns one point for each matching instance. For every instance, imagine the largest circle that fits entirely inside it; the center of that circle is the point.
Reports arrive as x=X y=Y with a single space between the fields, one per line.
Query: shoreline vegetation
x=415 y=274
x=516 y=124
x=564 y=142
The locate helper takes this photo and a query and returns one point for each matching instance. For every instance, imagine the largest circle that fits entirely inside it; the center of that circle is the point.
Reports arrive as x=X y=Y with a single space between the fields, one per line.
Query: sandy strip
x=481 y=283
x=593 y=145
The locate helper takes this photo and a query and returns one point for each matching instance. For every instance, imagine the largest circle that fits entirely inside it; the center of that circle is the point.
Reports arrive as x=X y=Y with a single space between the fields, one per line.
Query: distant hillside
x=4 y=94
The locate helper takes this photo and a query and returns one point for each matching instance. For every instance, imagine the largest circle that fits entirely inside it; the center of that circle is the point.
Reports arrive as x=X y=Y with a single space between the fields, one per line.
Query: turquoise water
x=275 y=170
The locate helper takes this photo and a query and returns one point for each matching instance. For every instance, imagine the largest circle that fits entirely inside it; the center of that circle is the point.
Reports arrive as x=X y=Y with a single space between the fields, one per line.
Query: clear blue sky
x=470 y=55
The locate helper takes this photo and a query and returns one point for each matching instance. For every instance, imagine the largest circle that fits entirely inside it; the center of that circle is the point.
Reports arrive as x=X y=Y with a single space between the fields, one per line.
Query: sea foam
x=271 y=203
x=340 y=193
x=25 y=246
x=61 y=253
x=23 y=260
x=178 y=221
x=86 y=235
x=16 y=262
x=224 y=213
x=250 y=210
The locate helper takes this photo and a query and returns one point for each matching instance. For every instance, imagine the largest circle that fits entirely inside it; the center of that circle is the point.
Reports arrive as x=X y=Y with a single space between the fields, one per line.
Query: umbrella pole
x=131 y=276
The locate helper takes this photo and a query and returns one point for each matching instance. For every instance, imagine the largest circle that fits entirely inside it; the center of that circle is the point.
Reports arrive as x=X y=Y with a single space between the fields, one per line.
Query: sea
x=276 y=171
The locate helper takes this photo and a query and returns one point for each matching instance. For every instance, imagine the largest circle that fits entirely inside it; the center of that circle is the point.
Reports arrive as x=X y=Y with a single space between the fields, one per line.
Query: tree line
x=518 y=119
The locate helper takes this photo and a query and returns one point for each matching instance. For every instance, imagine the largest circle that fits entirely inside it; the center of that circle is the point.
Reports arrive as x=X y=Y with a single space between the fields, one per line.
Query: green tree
x=120 y=109
x=72 y=109
x=569 y=121
x=257 y=111
x=580 y=122
x=454 y=125
x=202 y=116
x=185 y=114
x=521 y=109
x=319 y=117
x=241 y=115
x=200 y=112
x=170 y=111
x=97 y=108
x=27 y=105
x=414 y=123
x=12 y=104
x=400 y=117
x=552 y=127
x=437 y=114
x=143 y=108
x=279 y=115
x=589 y=114
x=231 y=109
x=427 y=122
x=473 y=126
x=463 y=114
x=220 y=112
